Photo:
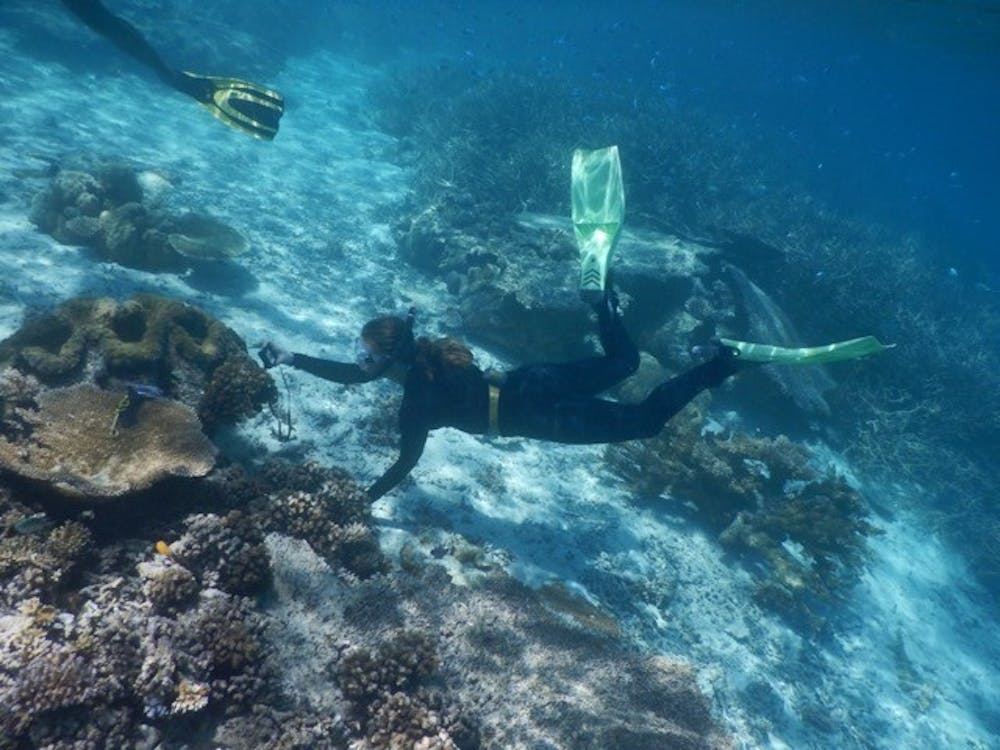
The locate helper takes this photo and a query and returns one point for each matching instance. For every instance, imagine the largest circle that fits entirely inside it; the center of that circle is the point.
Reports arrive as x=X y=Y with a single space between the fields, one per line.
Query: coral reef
x=114 y=670
x=766 y=499
x=104 y=211
x=334 y=520
x=68 y=444
x=491 y=145
x=40 y=564
x=175 y=346
x=426 y=663
x=224 y=552
x=18 y=402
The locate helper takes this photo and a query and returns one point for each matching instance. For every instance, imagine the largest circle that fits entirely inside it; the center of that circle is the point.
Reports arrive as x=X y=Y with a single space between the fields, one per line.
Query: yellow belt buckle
x=494 y=428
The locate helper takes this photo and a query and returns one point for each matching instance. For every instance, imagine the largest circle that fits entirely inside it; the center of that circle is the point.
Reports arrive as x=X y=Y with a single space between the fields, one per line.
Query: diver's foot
x=726 y=359
x=608 y=305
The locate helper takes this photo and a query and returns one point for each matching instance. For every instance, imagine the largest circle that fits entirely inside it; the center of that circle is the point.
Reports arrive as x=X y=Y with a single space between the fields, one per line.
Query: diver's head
x=386 y=341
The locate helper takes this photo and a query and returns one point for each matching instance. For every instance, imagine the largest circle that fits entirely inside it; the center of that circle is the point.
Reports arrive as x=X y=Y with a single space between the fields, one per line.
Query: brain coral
x=72 y=449
x=189 y=354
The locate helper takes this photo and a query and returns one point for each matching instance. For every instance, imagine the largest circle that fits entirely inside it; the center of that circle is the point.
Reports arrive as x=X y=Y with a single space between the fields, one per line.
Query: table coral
x=71 y=447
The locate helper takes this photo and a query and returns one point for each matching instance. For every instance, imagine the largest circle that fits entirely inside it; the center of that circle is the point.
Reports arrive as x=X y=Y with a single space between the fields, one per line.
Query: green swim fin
x=598 y=212
x=240 y=104
x=809 y=355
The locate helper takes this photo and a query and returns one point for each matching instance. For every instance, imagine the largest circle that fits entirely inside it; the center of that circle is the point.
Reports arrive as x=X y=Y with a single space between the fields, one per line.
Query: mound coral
x=68 y=444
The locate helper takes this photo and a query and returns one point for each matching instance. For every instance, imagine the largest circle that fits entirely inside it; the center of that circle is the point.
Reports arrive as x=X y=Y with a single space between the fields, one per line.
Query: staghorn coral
x=71 y=447
x=224 y=552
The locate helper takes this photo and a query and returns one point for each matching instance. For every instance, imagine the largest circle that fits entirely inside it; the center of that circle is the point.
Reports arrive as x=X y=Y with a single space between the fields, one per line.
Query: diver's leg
x=123 y=34
x=591 y=375
x=576 y=419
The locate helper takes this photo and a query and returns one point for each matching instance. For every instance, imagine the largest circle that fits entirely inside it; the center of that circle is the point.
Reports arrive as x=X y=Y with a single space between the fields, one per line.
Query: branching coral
x=395 y=710
x=225 y=552
x=335 y=520
x=38 y=565
x=398 y=664
x=18 y=400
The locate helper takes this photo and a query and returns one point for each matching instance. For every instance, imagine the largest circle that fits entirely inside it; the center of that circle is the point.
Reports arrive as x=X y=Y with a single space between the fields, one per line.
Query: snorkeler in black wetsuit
x=558 y=402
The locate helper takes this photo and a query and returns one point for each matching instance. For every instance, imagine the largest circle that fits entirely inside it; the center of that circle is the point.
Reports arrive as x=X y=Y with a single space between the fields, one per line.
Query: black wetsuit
x=555 y=402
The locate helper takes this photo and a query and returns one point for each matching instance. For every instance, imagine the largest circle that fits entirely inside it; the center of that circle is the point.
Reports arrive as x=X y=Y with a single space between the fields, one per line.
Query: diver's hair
x=389 y=335
x=441 y=358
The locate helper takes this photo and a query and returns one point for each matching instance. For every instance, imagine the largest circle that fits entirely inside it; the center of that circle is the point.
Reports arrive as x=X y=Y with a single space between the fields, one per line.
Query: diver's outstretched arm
x=346 y=373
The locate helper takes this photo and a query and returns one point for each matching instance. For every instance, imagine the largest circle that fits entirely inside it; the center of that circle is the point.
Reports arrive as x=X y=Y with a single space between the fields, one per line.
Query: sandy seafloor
x=915 y=660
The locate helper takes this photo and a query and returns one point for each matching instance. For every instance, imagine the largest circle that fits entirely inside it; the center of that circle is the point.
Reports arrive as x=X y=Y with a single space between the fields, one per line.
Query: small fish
x=162 y=547
x=142 y=390
x=36 y=523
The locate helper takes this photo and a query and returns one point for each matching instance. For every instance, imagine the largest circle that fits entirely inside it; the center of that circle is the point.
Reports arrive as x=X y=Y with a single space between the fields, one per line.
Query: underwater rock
x=175 y=346
x=69 y=444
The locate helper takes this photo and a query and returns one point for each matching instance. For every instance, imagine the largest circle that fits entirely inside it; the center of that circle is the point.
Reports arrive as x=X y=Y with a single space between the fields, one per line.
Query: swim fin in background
x=243 y=105
x=240 y=104
x=810 y=355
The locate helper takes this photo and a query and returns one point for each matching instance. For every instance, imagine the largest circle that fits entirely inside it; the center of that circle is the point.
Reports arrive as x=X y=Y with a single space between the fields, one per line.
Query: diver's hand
x=271 y=354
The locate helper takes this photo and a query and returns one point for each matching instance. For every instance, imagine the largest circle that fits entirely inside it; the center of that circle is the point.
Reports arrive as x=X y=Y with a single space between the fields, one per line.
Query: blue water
x=884 y=112
x=887 y=109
